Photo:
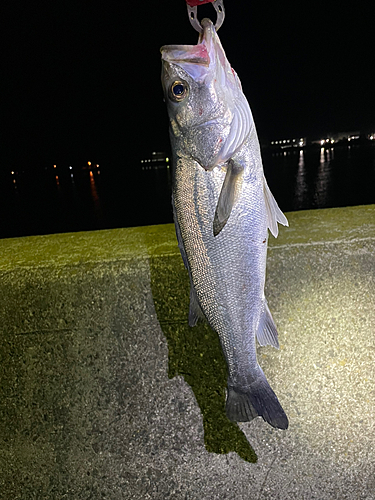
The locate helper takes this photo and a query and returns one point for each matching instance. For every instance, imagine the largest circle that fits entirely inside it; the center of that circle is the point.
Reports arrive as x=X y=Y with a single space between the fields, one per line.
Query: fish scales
x=222 y=211
x=230 y=308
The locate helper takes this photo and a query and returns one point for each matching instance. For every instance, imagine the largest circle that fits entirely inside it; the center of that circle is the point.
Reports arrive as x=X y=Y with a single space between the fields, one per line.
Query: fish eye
x=178 y=91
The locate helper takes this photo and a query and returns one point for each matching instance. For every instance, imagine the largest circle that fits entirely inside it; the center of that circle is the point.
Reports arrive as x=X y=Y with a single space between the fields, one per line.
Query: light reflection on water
x=64 y=200
x=301 y=186
x=96 y=199
x=323 y=178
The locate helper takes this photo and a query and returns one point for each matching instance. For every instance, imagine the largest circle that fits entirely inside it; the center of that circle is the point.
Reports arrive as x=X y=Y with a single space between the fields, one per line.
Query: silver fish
x=223 y=209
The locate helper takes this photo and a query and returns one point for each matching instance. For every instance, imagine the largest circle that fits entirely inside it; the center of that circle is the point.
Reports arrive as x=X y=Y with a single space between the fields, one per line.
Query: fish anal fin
x=267 y=331
x=226 y=197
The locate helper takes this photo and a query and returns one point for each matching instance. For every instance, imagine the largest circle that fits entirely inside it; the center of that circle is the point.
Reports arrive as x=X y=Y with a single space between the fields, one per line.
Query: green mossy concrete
x=194 y=353
x=87 y=409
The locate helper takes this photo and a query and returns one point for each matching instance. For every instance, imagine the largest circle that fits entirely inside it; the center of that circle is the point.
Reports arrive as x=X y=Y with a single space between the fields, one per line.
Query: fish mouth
x=192 y=54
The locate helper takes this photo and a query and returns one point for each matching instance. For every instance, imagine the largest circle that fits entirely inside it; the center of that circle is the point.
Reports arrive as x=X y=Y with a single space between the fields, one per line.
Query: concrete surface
x=107 y=393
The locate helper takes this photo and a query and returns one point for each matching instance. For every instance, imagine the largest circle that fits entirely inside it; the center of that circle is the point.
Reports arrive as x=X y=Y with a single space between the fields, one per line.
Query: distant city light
x=89 y=163
x=97 y=165
x=54 y=166
x=70 y=167
x=12 y=172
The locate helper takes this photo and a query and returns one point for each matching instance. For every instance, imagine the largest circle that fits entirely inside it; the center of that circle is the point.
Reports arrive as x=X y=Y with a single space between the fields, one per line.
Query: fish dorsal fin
x=267 y=332
x=274 y=214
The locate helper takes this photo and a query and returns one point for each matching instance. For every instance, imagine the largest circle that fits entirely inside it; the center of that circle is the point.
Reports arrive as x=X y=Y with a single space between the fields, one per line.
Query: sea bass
x=222 y=209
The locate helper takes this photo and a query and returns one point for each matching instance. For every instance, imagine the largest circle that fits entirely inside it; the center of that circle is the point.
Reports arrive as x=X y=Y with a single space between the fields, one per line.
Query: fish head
x=209 y=115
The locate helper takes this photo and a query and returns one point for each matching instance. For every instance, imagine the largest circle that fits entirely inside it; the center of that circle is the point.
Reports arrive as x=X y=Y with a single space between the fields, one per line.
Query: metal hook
x=220 y=14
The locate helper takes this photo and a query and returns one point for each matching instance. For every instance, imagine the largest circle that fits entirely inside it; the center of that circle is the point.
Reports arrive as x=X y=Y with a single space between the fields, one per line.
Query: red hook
x=195 y=3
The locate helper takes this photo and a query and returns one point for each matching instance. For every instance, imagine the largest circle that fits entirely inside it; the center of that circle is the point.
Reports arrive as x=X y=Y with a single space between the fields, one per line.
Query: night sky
x=82 y=79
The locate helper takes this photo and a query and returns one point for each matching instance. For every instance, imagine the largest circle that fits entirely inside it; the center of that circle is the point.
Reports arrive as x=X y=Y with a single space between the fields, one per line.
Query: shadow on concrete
x=195 y=354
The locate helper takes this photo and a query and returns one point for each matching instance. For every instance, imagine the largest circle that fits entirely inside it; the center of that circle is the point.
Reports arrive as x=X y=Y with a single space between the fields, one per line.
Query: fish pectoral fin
x=274 y=214
x=195 y=311
x=267 y=332
x=226 y=197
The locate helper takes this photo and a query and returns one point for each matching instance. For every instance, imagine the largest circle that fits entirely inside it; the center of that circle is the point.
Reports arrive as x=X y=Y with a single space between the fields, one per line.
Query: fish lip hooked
x=200 y=50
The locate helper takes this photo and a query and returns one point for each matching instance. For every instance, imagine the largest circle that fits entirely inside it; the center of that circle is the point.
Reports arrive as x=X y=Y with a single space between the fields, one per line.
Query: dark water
x=64 y=200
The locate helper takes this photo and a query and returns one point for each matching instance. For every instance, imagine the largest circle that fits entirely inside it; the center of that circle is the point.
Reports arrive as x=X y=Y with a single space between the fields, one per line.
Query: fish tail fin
x=244 y=404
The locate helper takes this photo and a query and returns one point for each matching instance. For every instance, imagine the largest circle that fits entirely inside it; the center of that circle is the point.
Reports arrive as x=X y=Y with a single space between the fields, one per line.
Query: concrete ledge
x=107 y=393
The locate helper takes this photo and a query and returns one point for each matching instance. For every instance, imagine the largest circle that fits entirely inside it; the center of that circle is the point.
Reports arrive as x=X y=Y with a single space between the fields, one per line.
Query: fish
x=223 y=209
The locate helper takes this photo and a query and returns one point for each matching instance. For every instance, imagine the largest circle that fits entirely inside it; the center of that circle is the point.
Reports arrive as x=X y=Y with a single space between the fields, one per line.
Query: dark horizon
x=83 y=80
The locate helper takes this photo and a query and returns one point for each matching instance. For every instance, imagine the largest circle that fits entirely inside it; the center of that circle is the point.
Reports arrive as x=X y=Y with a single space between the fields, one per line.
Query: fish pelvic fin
x=267 y=332
x=245 y=403
x=195 y=311
x=227 y=196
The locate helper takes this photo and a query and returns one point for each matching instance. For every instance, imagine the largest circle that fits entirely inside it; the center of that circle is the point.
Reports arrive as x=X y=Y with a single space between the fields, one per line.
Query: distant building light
x=288 y=140
x=97 y=165
x=332 y=141
x=89 y=163
x=70 y=167
x=12 y=172
x=322 y=142
x=300 y=143
x=54 y=166
x=371 y=137
x=167 y=160
x=284 y=141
